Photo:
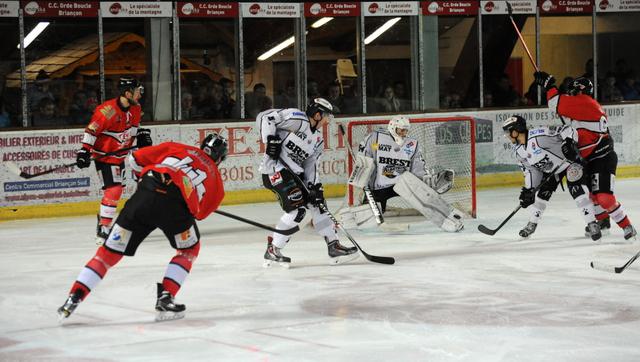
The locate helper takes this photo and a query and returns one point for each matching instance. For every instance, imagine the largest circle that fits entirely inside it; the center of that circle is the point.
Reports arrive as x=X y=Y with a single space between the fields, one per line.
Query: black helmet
x=215 y=146
x=514 y=123
x=580 y=85
x=319 y=105
x=129 y=84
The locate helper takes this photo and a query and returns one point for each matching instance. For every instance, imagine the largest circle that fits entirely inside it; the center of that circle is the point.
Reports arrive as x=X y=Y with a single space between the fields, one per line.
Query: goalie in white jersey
x=383 y=160
x=294 y=144
x=546 y=155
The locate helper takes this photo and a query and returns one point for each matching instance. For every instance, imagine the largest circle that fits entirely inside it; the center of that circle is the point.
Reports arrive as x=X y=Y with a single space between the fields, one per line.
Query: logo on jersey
x=295 y=195
x=188 y=188
x=275 y=179
x=393 y=161
x=93 y=127
x=544 y=165
x=301 y=135
x=299 y=153
x=386 y=148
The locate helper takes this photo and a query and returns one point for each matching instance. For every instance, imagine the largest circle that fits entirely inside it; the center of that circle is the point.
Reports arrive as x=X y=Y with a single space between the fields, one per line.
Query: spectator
x=621 y=71
x=608 y=92
x=400 y=91
x=628 y=88
x=334 y=97
x=228 y=103
x=40 y=90
x=388 y=102
x=78 y=113
x=287 y=98
x=313 y=90
x=566 y=82
x=188 y=109
x=351 y=100
x=503 y=93
x=5 y=120
x=488 y=99
x=588 y=70
x=257 y=101
x=92 y=100
x=216 y=110
x=532 y=95
x=46 y=114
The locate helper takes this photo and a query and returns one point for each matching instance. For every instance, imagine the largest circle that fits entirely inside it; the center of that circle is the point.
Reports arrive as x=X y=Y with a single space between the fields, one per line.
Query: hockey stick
x=612 y=269
x=324 y=209
x=16 y=170
x=485 y=230
x=291 y=231
x=510 y=11
x=367 y=193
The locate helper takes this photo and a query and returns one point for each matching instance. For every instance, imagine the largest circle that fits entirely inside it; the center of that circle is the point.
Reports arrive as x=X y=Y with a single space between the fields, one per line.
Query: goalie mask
x=399 y=128
x=216 y=147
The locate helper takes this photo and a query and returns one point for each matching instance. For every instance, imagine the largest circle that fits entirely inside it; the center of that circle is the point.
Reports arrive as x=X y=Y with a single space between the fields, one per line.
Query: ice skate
x=165 y=306
x=339 y=253
x=528 y=230
x=629 y=233
x=605 y=226
x=102 y=233
x=273 y=255
x=594 y=230
x=69 y=306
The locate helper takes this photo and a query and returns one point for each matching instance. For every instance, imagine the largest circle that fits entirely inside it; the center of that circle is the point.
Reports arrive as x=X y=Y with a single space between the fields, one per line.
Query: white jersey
x=301 y=146
x=542 y=153
x=390 y=159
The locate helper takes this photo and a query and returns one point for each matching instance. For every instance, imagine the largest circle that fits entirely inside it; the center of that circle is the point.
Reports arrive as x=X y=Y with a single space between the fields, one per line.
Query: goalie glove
x=441 y=182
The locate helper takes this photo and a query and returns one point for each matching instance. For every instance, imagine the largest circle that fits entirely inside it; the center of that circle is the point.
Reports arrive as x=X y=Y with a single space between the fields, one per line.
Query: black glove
x=570 y=151
x=316 y=194
x=83 y=158
x=143 y=138
x=527 y=197
x=274 y=146
x=546 y=80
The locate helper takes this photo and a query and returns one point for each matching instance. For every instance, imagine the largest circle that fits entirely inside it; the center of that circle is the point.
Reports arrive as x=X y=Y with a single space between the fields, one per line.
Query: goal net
x=446 y=143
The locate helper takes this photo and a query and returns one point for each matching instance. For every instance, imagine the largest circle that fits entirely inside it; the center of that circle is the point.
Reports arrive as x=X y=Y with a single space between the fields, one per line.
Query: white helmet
x=396 y=122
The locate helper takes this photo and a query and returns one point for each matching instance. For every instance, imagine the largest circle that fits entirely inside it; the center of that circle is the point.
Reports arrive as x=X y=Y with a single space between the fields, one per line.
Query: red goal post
x=446 y=143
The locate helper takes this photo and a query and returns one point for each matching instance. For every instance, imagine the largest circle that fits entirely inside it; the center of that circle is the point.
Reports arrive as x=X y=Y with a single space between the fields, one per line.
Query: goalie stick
x=485 y=230
x=16 y=170
x=614 y=269
x=367 y=192
x=291 y=231
x=324 y=209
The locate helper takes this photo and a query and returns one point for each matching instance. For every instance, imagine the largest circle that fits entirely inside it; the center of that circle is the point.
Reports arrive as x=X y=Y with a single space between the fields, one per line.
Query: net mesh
x=446 y=143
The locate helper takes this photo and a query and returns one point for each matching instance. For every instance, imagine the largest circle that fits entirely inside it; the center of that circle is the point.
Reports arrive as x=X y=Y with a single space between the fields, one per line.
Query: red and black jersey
x=587 y=117
x=191 y=170
x=111 y=129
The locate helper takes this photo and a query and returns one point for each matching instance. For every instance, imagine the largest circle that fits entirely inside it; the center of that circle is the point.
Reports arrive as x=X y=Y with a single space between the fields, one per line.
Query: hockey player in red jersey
x=595 y=145
x=177 y=185
x=113 y=127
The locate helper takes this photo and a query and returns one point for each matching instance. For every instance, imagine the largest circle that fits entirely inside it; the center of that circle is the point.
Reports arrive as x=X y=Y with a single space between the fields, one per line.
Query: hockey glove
x=143 y=138
x=274 y=146
x=316 y=194
x=83 y=158
x=527 y=197
x=570 y=151
x=546 y=80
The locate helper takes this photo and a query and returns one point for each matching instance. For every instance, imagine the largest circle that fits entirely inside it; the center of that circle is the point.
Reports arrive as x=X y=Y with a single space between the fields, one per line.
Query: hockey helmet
x=319 y=105
x=129 y=84
x=580 y=85
x=215 y=146
x=514 y=123
x=398 y=122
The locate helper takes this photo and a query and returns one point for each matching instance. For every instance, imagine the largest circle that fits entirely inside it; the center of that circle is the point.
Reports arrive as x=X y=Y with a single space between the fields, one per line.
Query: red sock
x=109 y=204
x=179 y=268
x=94 y=271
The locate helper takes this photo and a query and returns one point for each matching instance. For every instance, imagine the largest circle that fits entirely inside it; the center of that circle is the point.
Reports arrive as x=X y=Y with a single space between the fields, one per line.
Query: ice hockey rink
x=449 y=297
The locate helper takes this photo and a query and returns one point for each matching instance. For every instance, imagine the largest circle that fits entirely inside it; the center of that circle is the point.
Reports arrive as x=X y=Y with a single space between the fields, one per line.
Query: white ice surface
x=449 y=297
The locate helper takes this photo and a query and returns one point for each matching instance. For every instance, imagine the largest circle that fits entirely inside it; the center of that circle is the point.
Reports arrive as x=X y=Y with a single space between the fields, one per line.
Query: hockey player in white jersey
x=294 y=138
x=547 y=154
x=383 y=160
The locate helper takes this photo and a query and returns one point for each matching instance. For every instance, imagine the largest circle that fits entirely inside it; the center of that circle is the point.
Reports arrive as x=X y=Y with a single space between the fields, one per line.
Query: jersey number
x=197 y=176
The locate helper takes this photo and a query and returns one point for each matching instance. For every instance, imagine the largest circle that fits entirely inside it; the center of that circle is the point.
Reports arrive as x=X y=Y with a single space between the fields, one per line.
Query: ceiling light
x=276 y=49
x=33 y=34
x=321 y=22
x=373 y=36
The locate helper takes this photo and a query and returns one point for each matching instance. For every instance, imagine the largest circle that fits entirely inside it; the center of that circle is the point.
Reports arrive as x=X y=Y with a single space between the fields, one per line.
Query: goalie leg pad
x=362 y=170
x=427 y=201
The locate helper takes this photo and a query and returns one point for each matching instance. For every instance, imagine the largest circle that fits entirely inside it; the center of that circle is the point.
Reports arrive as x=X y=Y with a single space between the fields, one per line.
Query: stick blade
x=379 y=259
x=606 y=267
x=485 y=230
